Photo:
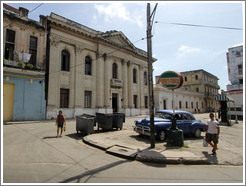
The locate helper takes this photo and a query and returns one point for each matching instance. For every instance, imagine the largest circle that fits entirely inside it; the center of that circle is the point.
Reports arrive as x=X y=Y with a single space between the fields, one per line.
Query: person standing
x=60 y=121
x=212 y=133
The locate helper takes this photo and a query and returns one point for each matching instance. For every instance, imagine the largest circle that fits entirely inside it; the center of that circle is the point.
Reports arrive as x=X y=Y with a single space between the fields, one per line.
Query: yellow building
x=201 y=81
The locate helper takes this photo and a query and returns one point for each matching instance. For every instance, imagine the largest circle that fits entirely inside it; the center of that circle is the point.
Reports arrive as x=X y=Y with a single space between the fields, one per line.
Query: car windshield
x=163 y=115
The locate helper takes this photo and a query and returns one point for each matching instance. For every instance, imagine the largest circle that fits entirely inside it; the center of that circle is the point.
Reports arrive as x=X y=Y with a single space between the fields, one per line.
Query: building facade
x=197 y=92
x=203 y=82
x=90 y=71
x=23 y=66
x=235 y=74
x=183 y=99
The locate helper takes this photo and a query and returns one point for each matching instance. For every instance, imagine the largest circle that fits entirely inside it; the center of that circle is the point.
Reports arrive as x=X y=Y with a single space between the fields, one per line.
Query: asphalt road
x=33 y=154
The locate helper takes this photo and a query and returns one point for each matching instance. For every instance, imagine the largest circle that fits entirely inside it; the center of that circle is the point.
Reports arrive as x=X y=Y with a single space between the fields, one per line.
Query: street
x=33 y=154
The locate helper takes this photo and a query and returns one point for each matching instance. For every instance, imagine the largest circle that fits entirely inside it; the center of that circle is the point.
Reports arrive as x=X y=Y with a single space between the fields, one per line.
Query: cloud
x=185 y=50
x=117 y=10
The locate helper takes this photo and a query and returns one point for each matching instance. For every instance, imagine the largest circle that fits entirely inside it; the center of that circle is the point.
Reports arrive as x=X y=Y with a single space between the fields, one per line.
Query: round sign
x=171 y=79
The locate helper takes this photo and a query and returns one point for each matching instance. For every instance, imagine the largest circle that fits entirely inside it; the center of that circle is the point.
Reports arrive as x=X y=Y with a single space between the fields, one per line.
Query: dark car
x=162 y=122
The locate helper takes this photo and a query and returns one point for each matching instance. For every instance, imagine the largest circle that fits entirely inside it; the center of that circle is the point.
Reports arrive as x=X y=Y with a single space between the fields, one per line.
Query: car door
x=187 y=121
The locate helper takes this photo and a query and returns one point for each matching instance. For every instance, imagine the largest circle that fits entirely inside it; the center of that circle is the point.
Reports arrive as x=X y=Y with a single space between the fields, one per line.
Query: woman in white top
x=212 y=133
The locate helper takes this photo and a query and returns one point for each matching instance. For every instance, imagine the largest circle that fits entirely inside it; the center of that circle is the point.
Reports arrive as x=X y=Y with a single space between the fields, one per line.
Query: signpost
x=173 y=80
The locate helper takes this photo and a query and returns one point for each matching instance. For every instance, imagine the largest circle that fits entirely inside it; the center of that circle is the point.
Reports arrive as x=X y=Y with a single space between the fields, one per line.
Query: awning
x=223 y=98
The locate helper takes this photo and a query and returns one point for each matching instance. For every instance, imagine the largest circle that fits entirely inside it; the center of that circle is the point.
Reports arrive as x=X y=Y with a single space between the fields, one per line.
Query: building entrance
x=115 y=102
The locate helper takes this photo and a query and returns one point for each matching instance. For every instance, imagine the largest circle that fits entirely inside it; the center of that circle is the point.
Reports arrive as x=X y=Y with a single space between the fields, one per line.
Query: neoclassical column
x=54 y=70
x=141 y=87
x=125 y=83
x=78 y=74
x=107 y=82
x=130 y=96
x=100 y=82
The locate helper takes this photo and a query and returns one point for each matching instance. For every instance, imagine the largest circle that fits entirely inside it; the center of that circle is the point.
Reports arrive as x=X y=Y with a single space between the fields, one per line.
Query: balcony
x=19 y=64
x=116 y=83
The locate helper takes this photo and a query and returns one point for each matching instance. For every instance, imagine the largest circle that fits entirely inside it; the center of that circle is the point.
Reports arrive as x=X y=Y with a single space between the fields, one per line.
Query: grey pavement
x=126 y=143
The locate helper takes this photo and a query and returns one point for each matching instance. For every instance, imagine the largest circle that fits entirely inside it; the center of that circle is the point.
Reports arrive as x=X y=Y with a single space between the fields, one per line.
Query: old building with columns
x=89 y=71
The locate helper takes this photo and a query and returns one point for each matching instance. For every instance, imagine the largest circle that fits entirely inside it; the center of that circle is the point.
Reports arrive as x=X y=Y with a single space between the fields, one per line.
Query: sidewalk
x=126 y=143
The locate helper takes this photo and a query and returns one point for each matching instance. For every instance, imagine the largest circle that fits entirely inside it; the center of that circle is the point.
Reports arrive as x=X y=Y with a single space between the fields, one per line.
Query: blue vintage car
x=162 y=122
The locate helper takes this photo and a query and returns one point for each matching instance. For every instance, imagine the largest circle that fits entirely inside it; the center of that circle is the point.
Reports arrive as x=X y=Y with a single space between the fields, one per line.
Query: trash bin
x=85 y=124
x=105 y=121
x=118 y=120
x=88 y=115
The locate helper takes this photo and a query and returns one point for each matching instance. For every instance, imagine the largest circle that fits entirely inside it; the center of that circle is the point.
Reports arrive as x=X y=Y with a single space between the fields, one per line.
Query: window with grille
x=135 y=101
x=196 y=77
x=146 y=103
x=33 y=45
x=240 y=69
x=180 y=104
x=65 y=61
x=134 y=75
x=88 y=65
x=114 y=71
x=9 y=44
x=145 y=78
x=64 y=98
x=88 y=99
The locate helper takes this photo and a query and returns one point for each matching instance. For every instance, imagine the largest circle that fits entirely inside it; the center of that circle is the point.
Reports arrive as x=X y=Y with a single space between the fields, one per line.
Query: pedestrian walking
x=60 y=123
x=212 y=133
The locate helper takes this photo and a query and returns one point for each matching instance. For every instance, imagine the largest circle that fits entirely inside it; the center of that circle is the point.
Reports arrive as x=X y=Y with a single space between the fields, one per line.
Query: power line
x=194 y=25
x=23 y=15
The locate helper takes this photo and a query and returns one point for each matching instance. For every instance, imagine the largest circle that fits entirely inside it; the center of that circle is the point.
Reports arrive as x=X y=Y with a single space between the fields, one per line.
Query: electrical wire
x=194 y=25
x=23 y=15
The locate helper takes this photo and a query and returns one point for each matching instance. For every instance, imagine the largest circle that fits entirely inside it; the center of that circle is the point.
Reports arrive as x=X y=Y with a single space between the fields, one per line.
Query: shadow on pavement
x=90 y=173
x=212 y=158
x=49 y=137
x=76 y=136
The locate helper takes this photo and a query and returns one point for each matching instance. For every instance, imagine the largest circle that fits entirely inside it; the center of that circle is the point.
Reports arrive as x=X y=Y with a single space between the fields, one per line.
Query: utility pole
x=150 y=72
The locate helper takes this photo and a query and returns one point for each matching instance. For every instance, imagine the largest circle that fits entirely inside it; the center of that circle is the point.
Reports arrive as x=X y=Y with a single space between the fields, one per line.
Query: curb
x=132 y=154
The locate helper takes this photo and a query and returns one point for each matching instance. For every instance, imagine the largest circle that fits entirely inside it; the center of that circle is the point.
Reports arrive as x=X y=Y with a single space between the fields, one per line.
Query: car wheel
x=197 y=133
x=162 y=135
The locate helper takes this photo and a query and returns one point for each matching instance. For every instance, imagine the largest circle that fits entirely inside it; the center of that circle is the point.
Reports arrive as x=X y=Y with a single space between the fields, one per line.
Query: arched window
x=65 y=60
x=115 y=71
x=88 y=65
x=196 y=77
x=185 y=78
x=134 y=75
x=145 y=78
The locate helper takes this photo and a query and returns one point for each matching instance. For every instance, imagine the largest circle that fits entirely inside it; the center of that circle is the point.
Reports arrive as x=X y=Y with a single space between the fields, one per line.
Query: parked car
x=162 y=122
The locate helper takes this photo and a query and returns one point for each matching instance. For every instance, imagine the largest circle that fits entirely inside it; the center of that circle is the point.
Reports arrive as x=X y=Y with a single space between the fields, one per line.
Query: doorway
x=115 y=102
x=8 y=101
x=164 y=104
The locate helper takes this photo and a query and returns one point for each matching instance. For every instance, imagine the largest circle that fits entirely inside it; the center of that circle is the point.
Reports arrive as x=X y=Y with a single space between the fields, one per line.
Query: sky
x=177 y=48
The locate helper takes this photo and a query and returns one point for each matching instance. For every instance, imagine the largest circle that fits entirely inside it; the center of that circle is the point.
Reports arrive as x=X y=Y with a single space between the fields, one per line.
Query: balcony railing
x=19 y=64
